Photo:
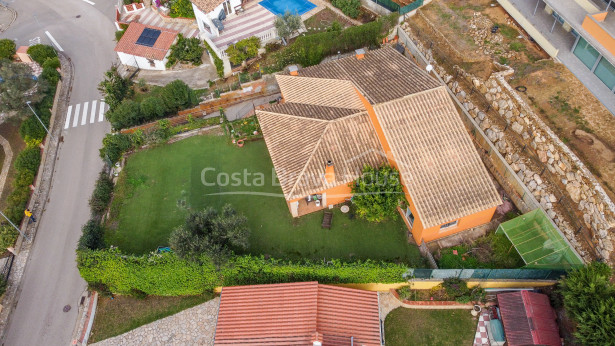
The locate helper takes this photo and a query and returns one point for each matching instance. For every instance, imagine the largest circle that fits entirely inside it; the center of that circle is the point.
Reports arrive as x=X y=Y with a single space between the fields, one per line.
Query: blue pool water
x=278 y=7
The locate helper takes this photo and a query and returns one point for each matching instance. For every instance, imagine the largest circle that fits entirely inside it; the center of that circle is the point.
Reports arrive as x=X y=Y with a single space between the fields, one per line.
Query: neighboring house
x=579 y=33
x=305 y=313
x=369 y=109
x=225 y=22
x=145 y=47
x=528 y=319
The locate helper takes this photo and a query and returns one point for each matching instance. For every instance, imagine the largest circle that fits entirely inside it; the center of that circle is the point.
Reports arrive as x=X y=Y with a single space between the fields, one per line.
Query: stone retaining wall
x=522 y=126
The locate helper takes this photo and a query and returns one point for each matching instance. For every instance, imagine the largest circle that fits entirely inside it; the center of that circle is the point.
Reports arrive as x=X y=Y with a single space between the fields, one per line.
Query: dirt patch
x=323 y=20
x=366 y=16
x=462 y=32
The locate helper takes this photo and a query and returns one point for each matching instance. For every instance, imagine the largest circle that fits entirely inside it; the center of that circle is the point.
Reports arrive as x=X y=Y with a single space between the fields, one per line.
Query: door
x=227 y=7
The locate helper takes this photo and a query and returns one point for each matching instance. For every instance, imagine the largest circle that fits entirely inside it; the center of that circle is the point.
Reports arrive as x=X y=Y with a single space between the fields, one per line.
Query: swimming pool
x=278 y=7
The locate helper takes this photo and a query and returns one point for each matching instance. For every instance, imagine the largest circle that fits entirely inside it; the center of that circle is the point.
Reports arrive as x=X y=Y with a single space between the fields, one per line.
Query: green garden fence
x=486 y=274
x=394 y=7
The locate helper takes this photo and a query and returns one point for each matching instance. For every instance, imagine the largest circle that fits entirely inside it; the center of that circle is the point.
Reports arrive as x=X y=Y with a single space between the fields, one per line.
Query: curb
x=12 y=19
x=38 y=199
x=435 y=305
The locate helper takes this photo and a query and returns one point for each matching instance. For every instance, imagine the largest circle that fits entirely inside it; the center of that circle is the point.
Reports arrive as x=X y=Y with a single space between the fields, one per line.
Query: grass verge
x=429 y=327
x=158 y=188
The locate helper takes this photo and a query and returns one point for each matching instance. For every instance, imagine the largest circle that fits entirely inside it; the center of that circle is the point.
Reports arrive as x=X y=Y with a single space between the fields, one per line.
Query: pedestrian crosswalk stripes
x=86 y=112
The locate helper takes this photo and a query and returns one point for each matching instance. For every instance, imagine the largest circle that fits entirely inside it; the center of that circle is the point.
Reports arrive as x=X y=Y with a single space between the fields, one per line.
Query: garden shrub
x=178 y=95
x=7 y=48
x=181 y=8
x=312 y=49
x=589 y=299
x=51 y=75
x=119 y=34
x=126 y=114
x=8 y=236
x=377 y=193
x=167 y=275
x=188 y=50
x=92 y=236
x=28 y=160
x=348 y=7
x=153 y=108
x=243 y=50
x=41 y=52
x=53 y=63
x=115 y=88
x=101 y=196
x=114 y=146
x=217 y=61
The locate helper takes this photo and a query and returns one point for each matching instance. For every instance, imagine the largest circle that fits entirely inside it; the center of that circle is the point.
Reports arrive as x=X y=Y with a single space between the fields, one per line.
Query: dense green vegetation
x=187 y=50
x=378 y=193
x=165 y=274
x=493 y=251
x=349 y=7
x=7 y=48
x=589 y=300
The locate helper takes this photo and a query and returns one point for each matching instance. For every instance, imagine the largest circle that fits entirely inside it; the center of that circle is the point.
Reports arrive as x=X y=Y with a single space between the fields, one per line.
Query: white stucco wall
x=202 y=17
x=141 y=62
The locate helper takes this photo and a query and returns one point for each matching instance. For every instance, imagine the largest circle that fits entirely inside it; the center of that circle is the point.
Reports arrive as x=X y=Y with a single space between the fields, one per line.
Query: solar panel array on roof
x=148 y=37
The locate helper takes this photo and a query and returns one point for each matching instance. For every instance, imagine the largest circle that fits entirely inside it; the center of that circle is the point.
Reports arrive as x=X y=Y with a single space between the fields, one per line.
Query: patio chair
x=218 y=24
x=326 y=219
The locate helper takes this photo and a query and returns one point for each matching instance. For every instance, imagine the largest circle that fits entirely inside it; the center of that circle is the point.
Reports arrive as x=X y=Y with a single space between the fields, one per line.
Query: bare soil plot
x=460 y=33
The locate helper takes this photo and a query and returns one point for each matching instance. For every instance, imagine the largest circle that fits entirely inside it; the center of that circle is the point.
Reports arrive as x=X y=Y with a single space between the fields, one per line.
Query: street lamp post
x=17 y=228
x=39 y=119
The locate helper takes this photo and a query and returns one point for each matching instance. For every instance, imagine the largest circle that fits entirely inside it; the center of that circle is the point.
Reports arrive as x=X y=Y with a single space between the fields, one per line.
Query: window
x=606 y=72
x=152 y=63
x=409 y=217
x=449 y=225
x=586 y=53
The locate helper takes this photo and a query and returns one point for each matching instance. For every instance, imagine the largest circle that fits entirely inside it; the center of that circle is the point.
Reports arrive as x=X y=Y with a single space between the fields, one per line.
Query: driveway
x=196 y=78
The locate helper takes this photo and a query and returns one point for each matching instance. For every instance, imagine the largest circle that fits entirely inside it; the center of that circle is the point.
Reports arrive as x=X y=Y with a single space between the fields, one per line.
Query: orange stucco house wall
x=419 y=233
x=590 y=23
x=343 y=192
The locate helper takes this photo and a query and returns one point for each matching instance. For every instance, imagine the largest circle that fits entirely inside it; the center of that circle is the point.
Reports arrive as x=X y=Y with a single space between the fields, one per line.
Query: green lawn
x=124 y=313
x=159 y=186
x=405 y=326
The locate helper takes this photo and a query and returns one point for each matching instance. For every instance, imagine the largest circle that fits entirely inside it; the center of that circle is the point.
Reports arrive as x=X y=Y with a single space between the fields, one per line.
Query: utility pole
x=39 y=119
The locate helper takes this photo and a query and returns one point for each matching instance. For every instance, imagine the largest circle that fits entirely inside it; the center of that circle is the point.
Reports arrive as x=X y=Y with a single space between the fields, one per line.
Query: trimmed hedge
x=166 y=275
x=41 y=52
x=312 y=49
x=217 y=61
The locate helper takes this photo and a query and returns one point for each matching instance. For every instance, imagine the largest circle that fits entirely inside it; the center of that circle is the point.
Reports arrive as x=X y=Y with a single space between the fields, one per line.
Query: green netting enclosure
x=539 y=242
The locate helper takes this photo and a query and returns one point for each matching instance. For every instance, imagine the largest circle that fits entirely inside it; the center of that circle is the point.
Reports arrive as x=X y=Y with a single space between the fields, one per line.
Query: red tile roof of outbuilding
x=128 y=42
x=528 y=319
x=297 y=314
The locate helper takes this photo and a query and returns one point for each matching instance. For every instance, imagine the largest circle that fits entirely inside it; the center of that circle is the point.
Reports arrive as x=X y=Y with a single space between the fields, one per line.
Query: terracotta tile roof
x=311 y=111
x=382 y=75
x=128 y=42
x=296 y=314
x=207 y=5
x=439 y=165
x=528 y=319
x=301 y=146
x=319 y=91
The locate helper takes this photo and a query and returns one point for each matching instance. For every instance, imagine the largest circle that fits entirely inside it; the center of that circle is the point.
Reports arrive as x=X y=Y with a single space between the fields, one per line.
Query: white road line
x=101 y=111
x=76 y=119
x=89 y=2
x=93 y=113
x=84 y=119
x=67 y=123
x=53 y=40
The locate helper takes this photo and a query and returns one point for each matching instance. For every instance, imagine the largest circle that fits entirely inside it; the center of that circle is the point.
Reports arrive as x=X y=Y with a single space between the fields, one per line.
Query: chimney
x=294 y=70
x=316 y=339
x=330 y=172
x=360 y=53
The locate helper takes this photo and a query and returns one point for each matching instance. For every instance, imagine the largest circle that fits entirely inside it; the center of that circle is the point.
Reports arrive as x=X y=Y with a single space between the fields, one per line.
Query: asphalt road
x=86 y=33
